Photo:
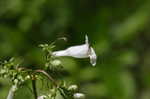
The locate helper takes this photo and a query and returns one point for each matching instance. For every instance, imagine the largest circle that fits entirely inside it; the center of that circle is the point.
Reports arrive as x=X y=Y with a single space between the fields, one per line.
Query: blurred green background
x=118 y=30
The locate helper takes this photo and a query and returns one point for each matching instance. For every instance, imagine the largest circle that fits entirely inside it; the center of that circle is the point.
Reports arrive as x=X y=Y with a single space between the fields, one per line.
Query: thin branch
x=43 y=72
x=47 y=75
x=34 y=87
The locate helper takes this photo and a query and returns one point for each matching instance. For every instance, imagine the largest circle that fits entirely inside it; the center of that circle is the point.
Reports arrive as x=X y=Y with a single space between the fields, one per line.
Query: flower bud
x=27 y=77
x=56 y=62
x=46 y=65
x=16 y=81
x=5 y=75
x=2 y=71
x=41 y=97
x=73 y=88
x=79 y=96
x=53 y=92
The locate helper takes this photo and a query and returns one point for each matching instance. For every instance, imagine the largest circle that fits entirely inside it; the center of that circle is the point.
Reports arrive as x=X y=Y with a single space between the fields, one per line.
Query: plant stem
x=34 y=87
x=12 y=92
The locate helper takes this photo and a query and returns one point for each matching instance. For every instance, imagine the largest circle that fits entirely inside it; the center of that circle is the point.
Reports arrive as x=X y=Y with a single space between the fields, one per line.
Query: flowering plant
x=18 y=75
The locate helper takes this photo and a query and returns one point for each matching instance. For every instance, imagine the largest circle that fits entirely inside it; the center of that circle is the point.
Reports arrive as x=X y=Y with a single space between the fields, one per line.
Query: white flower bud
x=79 y=51
x=41 y=97
x=16 y=81
x=5 y=75
x=47 y=64
x=27 y=77
x=73 y=88
x=2 y=71
x=79 y=96
x=56 y=62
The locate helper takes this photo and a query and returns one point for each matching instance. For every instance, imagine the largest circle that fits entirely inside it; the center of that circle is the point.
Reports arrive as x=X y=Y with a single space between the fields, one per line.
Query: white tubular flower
x=79 y=51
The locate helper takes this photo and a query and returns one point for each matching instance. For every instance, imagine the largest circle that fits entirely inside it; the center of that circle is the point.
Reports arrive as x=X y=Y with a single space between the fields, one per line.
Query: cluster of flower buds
x=9 y=69
x=76 y=95
x=68 y=92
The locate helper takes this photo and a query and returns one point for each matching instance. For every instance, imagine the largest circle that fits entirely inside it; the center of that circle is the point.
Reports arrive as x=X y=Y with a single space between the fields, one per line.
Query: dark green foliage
x=117 y=29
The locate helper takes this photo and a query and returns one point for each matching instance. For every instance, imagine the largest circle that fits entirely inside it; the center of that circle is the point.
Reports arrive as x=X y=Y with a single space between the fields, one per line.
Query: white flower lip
x=79 y=51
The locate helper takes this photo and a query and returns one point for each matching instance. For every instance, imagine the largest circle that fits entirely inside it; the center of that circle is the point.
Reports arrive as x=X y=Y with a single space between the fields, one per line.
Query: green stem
x=49 y=77
x=34 y=88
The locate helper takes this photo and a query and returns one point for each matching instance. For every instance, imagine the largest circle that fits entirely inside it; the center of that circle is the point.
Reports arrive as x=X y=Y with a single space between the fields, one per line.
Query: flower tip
x=86 y=39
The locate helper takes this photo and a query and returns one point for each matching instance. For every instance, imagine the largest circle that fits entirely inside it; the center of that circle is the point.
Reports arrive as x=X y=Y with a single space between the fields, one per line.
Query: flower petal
x=92 y=56
x=60 y=53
